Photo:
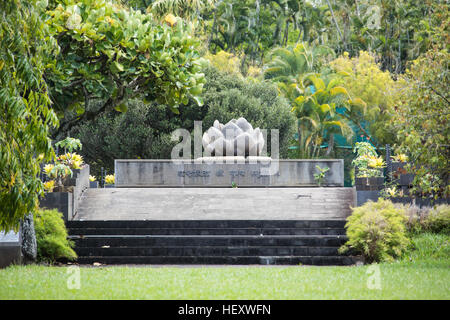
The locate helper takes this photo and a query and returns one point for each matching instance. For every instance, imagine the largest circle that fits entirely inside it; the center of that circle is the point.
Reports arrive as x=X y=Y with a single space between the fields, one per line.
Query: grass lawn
x=427 y=276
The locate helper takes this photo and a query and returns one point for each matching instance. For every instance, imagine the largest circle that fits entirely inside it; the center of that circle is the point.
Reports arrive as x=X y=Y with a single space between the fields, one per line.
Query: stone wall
x=189 y=173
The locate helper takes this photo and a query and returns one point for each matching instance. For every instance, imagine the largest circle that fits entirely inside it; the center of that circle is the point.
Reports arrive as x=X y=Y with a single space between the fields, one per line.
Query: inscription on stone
x=221 y=173
x=193 y=173
x=237 y=173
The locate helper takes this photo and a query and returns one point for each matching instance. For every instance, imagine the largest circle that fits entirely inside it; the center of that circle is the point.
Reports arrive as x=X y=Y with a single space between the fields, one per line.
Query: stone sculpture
x=235 y=138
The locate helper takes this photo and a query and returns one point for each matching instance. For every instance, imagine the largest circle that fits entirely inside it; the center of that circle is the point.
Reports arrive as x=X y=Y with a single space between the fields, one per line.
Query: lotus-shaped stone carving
x=236 y=138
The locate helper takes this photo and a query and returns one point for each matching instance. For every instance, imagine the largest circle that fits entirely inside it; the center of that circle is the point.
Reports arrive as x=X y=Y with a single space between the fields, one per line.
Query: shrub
x=438 y=219
x=377 y=231
x=51 y=237
x=426 y=219
x=415 y=217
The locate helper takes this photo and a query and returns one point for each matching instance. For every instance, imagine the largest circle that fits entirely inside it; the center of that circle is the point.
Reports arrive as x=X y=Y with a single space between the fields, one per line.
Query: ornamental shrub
x=51 y=237
x=427 y=219
x=377 y=231
x=438 y=220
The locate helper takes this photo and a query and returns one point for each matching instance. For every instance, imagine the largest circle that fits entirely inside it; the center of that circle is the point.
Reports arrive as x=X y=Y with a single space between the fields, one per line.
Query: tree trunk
x=334 y=20
x=28 y=239
x=330 y=145
x=299 y=138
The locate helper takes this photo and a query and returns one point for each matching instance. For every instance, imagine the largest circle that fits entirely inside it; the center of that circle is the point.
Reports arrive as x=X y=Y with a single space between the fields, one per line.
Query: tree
x=364 y=78
x=110 y=53
x=25 y=116
x=316 y=108
x=421 y=121
x=422 y=116
x=187 y=9
x=287 y=64
x=395 y=31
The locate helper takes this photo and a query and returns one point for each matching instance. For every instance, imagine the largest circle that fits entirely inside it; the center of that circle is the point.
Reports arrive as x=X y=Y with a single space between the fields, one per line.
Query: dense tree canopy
x=422 y=121
x=25 y=116
x=110 y=53
x=69 y=54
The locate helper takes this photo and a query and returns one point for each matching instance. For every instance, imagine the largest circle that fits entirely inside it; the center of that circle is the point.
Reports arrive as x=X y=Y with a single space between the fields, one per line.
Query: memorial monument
x=233 y=156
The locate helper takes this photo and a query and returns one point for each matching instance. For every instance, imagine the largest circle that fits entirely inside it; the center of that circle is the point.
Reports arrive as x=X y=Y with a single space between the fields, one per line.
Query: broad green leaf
x=121 y=107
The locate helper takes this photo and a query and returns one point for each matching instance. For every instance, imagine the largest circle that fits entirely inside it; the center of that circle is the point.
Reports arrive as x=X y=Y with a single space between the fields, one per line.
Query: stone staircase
x=215 y=204
x=244 y=242
x=212 y=226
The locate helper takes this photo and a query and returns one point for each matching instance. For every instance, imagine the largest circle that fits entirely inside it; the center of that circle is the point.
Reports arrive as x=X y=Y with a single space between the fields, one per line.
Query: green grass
x=423 y=273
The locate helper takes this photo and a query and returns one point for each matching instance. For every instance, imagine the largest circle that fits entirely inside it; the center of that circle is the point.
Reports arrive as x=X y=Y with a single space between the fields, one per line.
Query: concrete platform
x=216 y=204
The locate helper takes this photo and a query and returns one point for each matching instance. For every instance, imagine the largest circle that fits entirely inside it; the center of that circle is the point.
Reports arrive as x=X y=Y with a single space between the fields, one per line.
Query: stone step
x=207 y=251
x=196 y=224
x=216 y=203
x=207 y=231
x=205 y=240
x=222 y=260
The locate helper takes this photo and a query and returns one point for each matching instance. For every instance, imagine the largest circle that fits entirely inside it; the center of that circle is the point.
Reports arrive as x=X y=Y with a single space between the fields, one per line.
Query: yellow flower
x=392 y=192
x=76 y=164
x=400 y=158
x=92 y=178
x=48 y=169
x=49 y=186
x=170 y=19
x=110 y=179
x=375 y=162
x=76 y=157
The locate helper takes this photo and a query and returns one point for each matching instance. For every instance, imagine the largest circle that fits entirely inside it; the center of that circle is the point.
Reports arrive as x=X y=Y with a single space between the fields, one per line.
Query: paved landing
x=216 y=204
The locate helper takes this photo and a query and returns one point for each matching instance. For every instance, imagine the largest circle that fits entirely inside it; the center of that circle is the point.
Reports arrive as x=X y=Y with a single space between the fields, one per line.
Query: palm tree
x=288 y=63
x=316 y=111
x=187 y=9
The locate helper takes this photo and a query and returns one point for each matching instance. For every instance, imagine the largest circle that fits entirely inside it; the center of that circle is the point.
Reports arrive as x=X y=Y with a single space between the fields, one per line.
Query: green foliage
x=364 y=149
x=315 y=100
x=288 y=63
x=187 y=9
x=377 y=231
x=110 y=53
x=224 y=62
x=320 y=175
x=421 y=122
x=61 y=171
x=25 y=115
x=144 y=131
x=69 y=144
x=426 y=219
x=439 y=219
x=367 y=161
x=364 y=79
x=51 y=237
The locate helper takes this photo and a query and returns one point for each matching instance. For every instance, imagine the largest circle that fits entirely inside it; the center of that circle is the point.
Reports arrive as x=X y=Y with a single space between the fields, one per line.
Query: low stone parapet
x=237 y=173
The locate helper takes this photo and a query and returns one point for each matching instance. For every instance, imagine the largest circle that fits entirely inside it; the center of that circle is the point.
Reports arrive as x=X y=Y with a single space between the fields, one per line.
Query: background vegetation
x=326 y=73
